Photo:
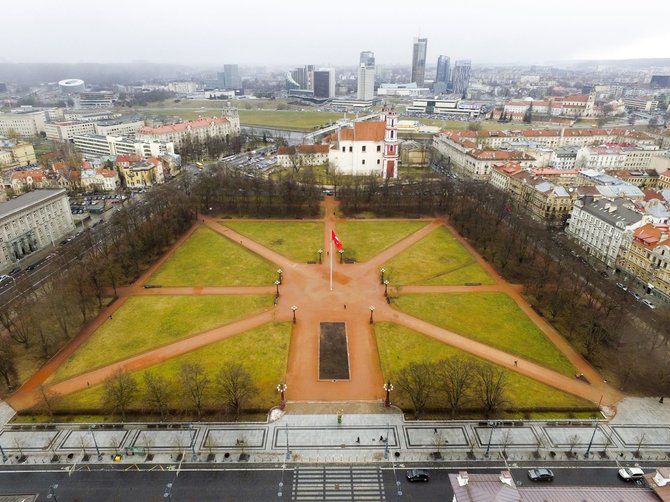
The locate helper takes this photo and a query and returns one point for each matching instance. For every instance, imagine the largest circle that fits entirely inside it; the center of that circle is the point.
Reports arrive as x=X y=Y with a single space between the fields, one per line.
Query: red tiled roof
x=182 y=126
x=499 y=155
x=107 y=173
x=36 y=175
x=363 y=131
x=128 y=158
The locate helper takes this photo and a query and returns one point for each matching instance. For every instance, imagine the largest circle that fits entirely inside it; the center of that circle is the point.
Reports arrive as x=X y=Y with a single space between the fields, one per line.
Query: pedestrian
x=358 y=440
x=516 y=363
x=661 y=400
x=345 y=306
x=381 y=438
x=88 y=384
x=435 y=430
x=110 y=317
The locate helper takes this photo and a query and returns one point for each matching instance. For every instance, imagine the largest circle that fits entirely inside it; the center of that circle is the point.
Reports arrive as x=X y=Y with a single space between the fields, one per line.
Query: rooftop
x=29 y=199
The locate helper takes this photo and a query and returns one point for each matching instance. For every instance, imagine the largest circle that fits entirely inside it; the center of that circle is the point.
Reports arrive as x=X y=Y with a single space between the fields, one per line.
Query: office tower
x=442 y=76
x=231 y=76
x=304 y=76
x=324 y=83
x=419 y=61
x=461 y=77
x=366 y=76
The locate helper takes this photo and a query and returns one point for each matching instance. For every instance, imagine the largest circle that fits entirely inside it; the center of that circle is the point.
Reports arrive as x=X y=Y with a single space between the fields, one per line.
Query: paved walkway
x=370 y=433
x=356 y=287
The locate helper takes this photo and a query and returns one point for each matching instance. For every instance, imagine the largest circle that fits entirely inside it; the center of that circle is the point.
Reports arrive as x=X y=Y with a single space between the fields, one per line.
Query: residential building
x=142 y=174
x=647 y=178
x=22 y=181
x=100 y=180
x=501 y=487
x=564 y=157
x=101 y=146
x=27 y=123
x=647 y=257
x=460 y=79
x=366 y=76
x=202 y=128
x=602 y=226
x=16 y=153
x=31 y=222
x=419 y=50
x=441 y=84
x=324 y=83
x=302 y=155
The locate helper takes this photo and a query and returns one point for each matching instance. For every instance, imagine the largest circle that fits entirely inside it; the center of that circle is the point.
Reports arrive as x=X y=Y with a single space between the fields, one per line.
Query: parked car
x=418 y=475
x=541 y=474
x=4 y=279
x=622 y=286
x=631 y=473
x=15 y=271
x=649 y=304
x=635 y=295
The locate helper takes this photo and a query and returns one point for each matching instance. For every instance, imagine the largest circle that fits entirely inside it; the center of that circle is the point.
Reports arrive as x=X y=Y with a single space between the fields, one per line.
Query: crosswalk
x=338 y=483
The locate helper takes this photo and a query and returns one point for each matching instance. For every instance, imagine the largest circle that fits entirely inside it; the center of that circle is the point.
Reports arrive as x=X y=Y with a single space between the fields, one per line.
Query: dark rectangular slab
x=333 y=351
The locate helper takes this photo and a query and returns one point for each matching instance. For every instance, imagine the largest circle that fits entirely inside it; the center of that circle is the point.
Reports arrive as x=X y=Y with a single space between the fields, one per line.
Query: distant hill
x=92 y=73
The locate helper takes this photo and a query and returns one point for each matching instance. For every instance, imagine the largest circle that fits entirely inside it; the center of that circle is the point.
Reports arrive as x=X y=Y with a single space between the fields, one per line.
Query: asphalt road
x=257 y=483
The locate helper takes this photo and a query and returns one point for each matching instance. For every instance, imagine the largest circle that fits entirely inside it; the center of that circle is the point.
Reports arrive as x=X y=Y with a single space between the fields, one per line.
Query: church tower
x=390 y=163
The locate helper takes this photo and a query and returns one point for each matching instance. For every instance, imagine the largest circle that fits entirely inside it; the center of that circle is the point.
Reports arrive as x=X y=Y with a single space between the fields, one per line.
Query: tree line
x=41 y=319
x=228 y=190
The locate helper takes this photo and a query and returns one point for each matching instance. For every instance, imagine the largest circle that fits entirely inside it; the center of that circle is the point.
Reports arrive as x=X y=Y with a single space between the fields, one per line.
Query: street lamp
x=93 y=426
x=280 y=272
x=320 y=251
x=372 y=309
x=388 y=387
x=381 y=271
x=194 y=457
x=341 y=251
x=52 y=492
x=386 y=288
x=4 y=456
x=493 y=428
x=281 y=388
x=168 y=492
x=595 y=429
x=293 y=309
x=277 y=283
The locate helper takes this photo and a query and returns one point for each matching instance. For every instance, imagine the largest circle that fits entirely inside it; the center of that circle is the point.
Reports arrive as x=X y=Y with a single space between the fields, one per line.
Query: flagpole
x=331 y=264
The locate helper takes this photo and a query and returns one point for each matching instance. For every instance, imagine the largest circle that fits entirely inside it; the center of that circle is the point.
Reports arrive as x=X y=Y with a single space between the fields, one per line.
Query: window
x=344 y=149
x=379 y=148
x=351 y=148
x=363 y=162
x=378 y=161
x=363 y=148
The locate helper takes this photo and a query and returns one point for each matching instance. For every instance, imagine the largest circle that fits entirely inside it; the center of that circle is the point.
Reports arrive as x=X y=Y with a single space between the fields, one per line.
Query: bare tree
x=235 y=386
x=490 y=387
x=7 y=367
x=455 y=380
x=416 y=381
x=157 y=393
x=195 y=383
x=119 y=392
x=49 y=399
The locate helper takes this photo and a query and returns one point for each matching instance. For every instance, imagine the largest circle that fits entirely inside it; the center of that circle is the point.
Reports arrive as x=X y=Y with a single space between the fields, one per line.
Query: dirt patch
x=333 y=351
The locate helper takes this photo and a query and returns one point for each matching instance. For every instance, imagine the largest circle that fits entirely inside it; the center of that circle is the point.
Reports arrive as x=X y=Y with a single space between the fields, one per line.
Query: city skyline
x=486 y=33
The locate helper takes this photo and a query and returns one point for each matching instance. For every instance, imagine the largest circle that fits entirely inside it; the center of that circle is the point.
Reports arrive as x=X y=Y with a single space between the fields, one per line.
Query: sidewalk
x=375 y=436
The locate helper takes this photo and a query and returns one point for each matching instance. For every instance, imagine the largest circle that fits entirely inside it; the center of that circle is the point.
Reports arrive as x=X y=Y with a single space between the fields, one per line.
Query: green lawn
x=437 y=259
x=147 y=322
x=486 y=125
x=297 y=240
x=490 y=318
x=399 y=346
x=263 y=351
x=364 y=239
x=209 y=259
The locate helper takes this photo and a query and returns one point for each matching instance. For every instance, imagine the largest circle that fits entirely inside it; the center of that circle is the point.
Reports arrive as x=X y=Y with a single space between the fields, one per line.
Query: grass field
x=490 y=318
x=262 y=351
x=399 y=346
x=298 y=241
x=146 y=322
x=437 y=259
x=285 y=119
x=209 y=259
x=364 y=239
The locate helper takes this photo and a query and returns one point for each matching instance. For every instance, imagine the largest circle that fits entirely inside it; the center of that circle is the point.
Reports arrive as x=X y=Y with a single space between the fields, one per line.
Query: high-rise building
x=324 y=83
x=231 y=77
x=442 y=76
x=419 y=61
x=366 y=76
x=461 y=77
x=304 y=76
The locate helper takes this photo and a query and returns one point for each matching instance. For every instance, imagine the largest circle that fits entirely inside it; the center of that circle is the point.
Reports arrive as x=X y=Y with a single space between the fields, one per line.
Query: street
x=259 y=483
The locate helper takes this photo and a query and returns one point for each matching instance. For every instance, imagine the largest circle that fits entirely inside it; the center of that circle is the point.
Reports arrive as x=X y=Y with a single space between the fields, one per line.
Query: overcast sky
x=293 y=32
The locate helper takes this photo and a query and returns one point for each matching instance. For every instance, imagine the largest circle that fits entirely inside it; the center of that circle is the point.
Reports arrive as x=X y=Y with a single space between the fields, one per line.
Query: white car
x=649 y=304
x=631 y=473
